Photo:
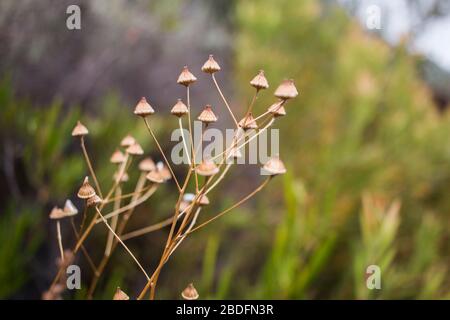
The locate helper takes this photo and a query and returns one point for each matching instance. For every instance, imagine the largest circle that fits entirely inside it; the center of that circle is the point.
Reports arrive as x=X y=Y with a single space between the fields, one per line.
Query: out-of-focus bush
x=363 y=122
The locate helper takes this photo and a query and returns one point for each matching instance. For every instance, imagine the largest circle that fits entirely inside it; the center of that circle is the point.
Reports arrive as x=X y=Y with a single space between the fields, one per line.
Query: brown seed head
x=259 y=81
x=117 y=157
x=147 y=165
x=79 y=130
x=274 y=166
x=70 y=209
x=179 y=109
x=210 y=65
x=86 y=190
x=154 y=176
x=120 y=295
x=207 y=168
x=286 y=90
x=277 y=109
x=123 y=178
x=163 y=171
x=94 y=201
x=57 y=213
x=127 y=141
x=143 y=108
x=248 y=122
x=186 y=77
x=190 y=293
x=203 y=200
x=135 y=149
x=207 y=116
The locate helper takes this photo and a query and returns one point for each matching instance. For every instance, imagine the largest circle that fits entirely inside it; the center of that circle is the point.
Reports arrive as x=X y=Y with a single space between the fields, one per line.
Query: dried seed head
x=277 y=109
x=143 y=108
x=147 y=165
x=286 y=90
x=120 y=295
x=248 y=122
x=259 y=81
x=179 y=109
x=154 y=176
x=186 y=77
x=127 y=141
x=206 y=168
x=207 y=116
x=203 y=200
x=274 y=166
x=86 y=190
x=135 y=149
x=117 y=157
x=94 y=201
x=211 y=65
x=190 y=293
x=69 y=208
x=235 y=153
x=57 y=213
x=123 y=178
x=79 y=130
x=163 y=171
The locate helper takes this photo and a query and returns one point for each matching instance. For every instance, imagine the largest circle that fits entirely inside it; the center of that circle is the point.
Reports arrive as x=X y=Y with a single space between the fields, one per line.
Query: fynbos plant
x=205 y=172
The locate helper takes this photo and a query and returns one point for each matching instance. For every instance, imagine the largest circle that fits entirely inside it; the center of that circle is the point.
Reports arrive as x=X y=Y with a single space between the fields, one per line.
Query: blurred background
x=366 y=143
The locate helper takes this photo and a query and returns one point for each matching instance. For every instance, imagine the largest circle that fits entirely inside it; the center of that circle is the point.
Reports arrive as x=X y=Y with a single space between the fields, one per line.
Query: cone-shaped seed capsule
x=186 y=77
x=70 y=209
x=57 y=213
x=248 y=122
x=259 y=81
x=211 y=65
x=79 y=130
x=203 y=200
x=286 y=90
x=120 y=295
x=163 y=171
x=190 y=293
x=274 y=166
x=123 y=178
x=154 y=176
x=94 y=201
x=135 y=149
x=179 y=109
x=207 y=116
x=277 y=109
x=127 y=141
x=117 y=157
x=207 y=168
x=147 y=165
x=143 y=108
x=86 y=190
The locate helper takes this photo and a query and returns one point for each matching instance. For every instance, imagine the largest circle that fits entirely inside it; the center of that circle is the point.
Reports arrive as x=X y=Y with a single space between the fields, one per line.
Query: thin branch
x=91 y=169
x=123 y=244
x=162 y=153
x=224 y=100
x=60 y=245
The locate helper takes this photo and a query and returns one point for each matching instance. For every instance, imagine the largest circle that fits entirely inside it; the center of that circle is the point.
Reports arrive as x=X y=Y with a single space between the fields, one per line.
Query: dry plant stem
x=222 y=175
x=114 y=221
x=150 y=228
x=188 y=98
x=259 y=188
x=191 y=225
x=130 y=205
x=162 y=153
x=250 y=107
x=186 y=150
x=224 y=100
x=123 y=244
x=83 y=249
x=103 y=263
x=127 y=195
x=60 y=245
x=122 y=170
x=91 y=169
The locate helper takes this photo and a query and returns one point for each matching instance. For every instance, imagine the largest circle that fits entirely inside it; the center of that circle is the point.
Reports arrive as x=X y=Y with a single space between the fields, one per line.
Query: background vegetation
x=368 y=155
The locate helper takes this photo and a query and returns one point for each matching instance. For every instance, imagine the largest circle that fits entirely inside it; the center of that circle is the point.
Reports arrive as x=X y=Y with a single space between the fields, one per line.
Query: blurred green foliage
x=363 y=122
